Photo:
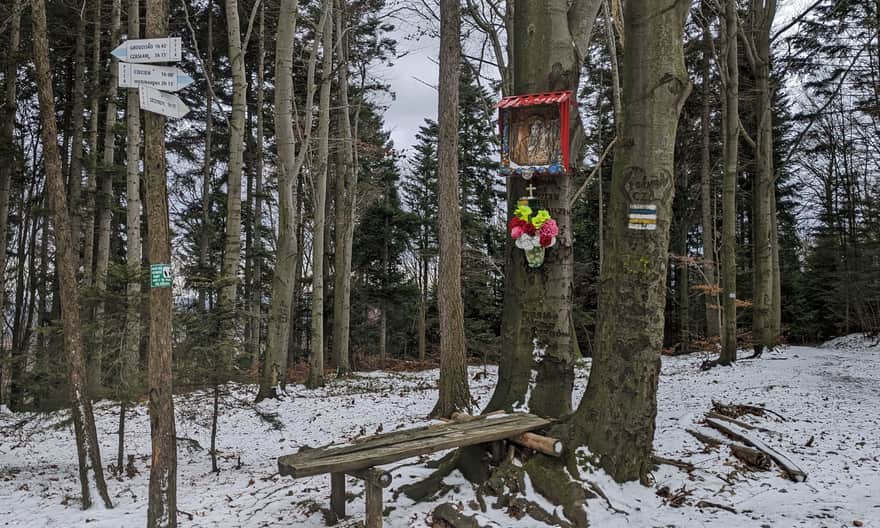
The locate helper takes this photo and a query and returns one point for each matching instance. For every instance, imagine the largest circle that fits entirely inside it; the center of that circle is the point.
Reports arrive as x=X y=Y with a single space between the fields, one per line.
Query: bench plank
x=395 y=446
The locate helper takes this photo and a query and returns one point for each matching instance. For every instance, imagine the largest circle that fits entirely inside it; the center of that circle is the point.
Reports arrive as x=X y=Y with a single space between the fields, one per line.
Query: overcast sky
x=414 y=76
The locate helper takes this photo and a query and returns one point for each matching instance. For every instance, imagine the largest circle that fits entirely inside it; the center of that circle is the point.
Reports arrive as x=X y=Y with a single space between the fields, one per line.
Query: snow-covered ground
x=830 y=394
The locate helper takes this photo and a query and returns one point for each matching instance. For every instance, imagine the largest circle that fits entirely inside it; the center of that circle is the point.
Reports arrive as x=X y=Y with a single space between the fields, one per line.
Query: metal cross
x=531 y=188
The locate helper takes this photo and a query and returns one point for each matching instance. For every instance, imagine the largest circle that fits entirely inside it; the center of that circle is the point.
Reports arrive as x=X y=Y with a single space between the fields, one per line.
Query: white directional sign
x=167 y=104
x=164 y=78
x=149 y=50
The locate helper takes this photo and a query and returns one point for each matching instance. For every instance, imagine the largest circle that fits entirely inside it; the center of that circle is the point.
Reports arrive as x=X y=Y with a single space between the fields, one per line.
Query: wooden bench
x=358 y=458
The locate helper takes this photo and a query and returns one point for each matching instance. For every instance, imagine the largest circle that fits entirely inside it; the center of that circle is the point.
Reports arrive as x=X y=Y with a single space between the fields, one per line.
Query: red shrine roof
x=534 y=99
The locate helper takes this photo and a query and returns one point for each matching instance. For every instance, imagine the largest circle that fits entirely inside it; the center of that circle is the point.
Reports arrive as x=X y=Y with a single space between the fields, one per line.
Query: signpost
x=149 y=50
x=164 y=78
x=166 y=104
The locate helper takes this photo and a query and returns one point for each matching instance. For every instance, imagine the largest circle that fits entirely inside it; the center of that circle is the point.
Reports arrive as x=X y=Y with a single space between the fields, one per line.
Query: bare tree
x=454 y=391
x=88 y=449
x=162 y=508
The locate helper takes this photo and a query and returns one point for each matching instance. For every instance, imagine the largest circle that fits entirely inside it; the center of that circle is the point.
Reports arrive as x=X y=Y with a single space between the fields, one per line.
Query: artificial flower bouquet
x=533 y=233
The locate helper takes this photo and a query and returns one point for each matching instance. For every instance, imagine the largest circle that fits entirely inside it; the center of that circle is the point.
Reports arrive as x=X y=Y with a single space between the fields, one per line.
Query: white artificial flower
x=528 y=242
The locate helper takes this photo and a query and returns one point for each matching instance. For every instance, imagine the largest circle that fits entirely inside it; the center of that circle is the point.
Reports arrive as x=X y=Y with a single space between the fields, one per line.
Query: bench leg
x=374 y=505
x=337 y=494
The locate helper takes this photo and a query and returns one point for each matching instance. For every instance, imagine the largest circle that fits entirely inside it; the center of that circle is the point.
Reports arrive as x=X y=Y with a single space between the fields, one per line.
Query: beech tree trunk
x=278 y=337
x=319 y=182
x=454 y=390
x=232 y=247
x=616 y=416
x=765 y=325
x=549 y=41
x=257 y=266
x=106 y=198
x=711 y=300
x=346 y=186
x=730 y=78
x=162 y=509
x=66 y=260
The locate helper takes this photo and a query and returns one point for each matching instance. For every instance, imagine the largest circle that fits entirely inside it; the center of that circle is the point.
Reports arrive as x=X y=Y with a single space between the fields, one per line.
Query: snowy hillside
x=829 y=397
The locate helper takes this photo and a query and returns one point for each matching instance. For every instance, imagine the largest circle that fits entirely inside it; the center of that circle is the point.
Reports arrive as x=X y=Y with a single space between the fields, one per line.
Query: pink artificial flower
x=549 y=228
x=546 y=241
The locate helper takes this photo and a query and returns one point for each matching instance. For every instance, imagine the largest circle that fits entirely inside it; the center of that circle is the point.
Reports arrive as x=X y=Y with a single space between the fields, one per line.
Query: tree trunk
x=730 y=74
x=133 y=247
x=106 y=200
x=232 y=247
x=8 y=152
x=549 y=42
x=346 y=186
x=162 y=509
x=88 y=449
x=205 y=229
x=79 y=82
x=91 y=183
x=319 y=179
x=278 y=334
x=616 y=416
x=454 y=391
x=765 y=327
x=257 y=267
x=711 y=300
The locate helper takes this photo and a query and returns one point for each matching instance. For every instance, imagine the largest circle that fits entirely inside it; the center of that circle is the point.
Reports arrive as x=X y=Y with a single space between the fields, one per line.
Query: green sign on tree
x=160 y=275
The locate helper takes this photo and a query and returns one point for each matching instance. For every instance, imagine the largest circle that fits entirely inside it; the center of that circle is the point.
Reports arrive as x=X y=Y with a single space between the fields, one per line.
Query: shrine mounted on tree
x=534 y=134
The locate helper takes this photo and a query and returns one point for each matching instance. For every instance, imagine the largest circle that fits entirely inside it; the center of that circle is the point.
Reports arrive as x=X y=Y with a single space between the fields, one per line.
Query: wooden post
x=337 y=494
x=374 y=504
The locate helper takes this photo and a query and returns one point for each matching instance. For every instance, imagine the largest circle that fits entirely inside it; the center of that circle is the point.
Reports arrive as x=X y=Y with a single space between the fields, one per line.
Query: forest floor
x=829 y=394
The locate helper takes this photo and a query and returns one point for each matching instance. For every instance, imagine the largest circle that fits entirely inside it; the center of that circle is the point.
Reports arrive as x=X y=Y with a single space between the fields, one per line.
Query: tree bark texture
x=346 y=186
x=616 y=417
x=257 y=266
x=730 y=75
x=8 y=151
x=162 y=508
x=278 y=333
x=88 y=449
x=765 y=328
x=710 y=300
x=92 y=177
x=232 y=246
x=549 y=41
x=454 y=390
x=205 y=228
x=105 y=214
x=78 y=118
x=319 y=181
x=133 y=245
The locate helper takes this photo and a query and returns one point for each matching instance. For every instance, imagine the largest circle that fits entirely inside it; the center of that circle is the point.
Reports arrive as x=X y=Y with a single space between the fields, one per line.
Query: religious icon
x=534 y=134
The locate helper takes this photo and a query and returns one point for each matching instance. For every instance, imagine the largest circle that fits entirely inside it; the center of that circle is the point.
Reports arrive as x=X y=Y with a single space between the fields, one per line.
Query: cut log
x=377 y=477
x=542 y=444
x=794 y=471
x=751 y=456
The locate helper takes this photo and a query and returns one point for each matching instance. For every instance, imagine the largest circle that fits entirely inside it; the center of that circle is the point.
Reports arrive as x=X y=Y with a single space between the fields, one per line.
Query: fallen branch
x=707 y=504
x=739 y=409
x=706 y=439
x=794 y=472
x=719 y=416
x=687 y=466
